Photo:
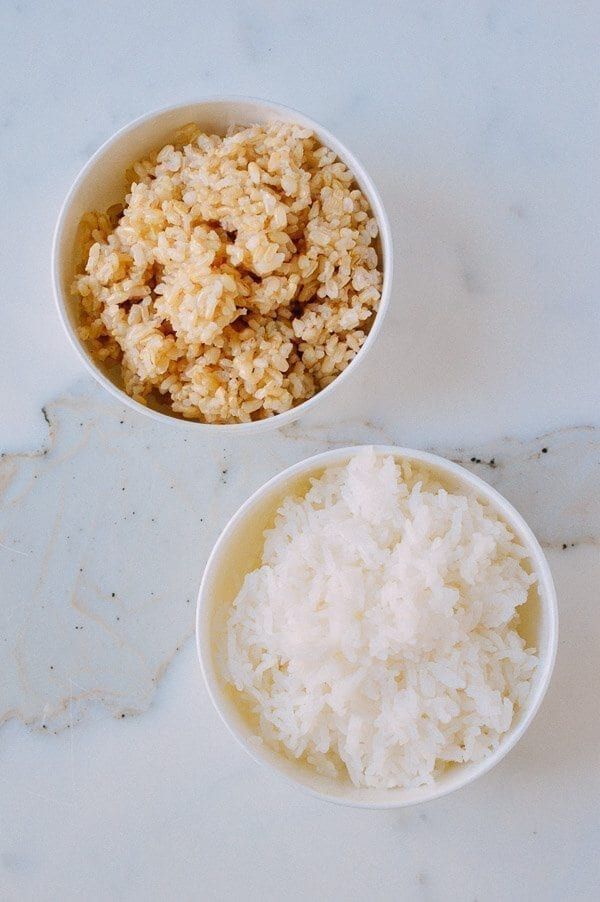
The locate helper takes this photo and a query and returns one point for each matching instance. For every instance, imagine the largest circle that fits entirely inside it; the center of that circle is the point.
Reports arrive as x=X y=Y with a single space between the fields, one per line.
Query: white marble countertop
x=480 y=124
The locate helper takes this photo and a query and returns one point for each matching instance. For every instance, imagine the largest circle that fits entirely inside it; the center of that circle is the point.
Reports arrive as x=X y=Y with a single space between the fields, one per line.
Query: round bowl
x=238 y=551
x=101 y=184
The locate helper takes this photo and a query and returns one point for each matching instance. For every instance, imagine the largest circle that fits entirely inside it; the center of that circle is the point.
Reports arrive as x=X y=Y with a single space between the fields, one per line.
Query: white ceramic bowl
x=101 y=184
x=238 y=551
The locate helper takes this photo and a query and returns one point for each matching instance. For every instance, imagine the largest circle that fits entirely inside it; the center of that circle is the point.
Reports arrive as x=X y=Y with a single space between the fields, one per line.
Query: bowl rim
x=378 y=210
x=547 y=594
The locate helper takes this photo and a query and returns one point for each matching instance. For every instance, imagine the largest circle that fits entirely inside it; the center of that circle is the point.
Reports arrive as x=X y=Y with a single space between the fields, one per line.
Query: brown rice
x=238 y=279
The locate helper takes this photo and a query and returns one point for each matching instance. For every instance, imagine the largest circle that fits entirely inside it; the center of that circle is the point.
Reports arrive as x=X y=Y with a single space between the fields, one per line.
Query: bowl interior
x=238 y=552
x=102 y=183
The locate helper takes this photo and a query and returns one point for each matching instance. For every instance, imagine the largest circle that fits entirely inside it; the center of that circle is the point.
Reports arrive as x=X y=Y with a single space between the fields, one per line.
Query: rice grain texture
x=239 y=278
x=378 y=638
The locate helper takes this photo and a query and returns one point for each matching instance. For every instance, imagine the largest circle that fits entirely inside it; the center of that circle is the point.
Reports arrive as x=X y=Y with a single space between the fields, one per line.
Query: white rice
x=378 y=638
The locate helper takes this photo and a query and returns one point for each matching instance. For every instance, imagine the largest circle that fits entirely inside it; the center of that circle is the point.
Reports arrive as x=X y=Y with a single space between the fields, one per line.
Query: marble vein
x=104 y=532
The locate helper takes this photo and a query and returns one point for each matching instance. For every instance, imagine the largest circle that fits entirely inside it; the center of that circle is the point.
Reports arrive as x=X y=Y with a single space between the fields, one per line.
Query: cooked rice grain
x=240 y=277
x=378 y=639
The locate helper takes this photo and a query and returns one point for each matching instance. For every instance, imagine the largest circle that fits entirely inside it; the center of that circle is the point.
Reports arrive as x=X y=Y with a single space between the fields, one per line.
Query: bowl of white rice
x=377 y=625
x=222 y=264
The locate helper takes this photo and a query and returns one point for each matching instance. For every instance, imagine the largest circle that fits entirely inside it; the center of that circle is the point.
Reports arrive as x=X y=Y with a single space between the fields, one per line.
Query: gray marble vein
x=480 y=125
x=105 y=530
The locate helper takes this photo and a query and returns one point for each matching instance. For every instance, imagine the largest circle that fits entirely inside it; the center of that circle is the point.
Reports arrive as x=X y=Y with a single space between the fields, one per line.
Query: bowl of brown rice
x=224 y=263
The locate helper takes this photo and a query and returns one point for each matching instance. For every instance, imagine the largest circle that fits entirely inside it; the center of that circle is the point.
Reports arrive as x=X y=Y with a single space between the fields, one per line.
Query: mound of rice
x=239 y=278
x=378 y=637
